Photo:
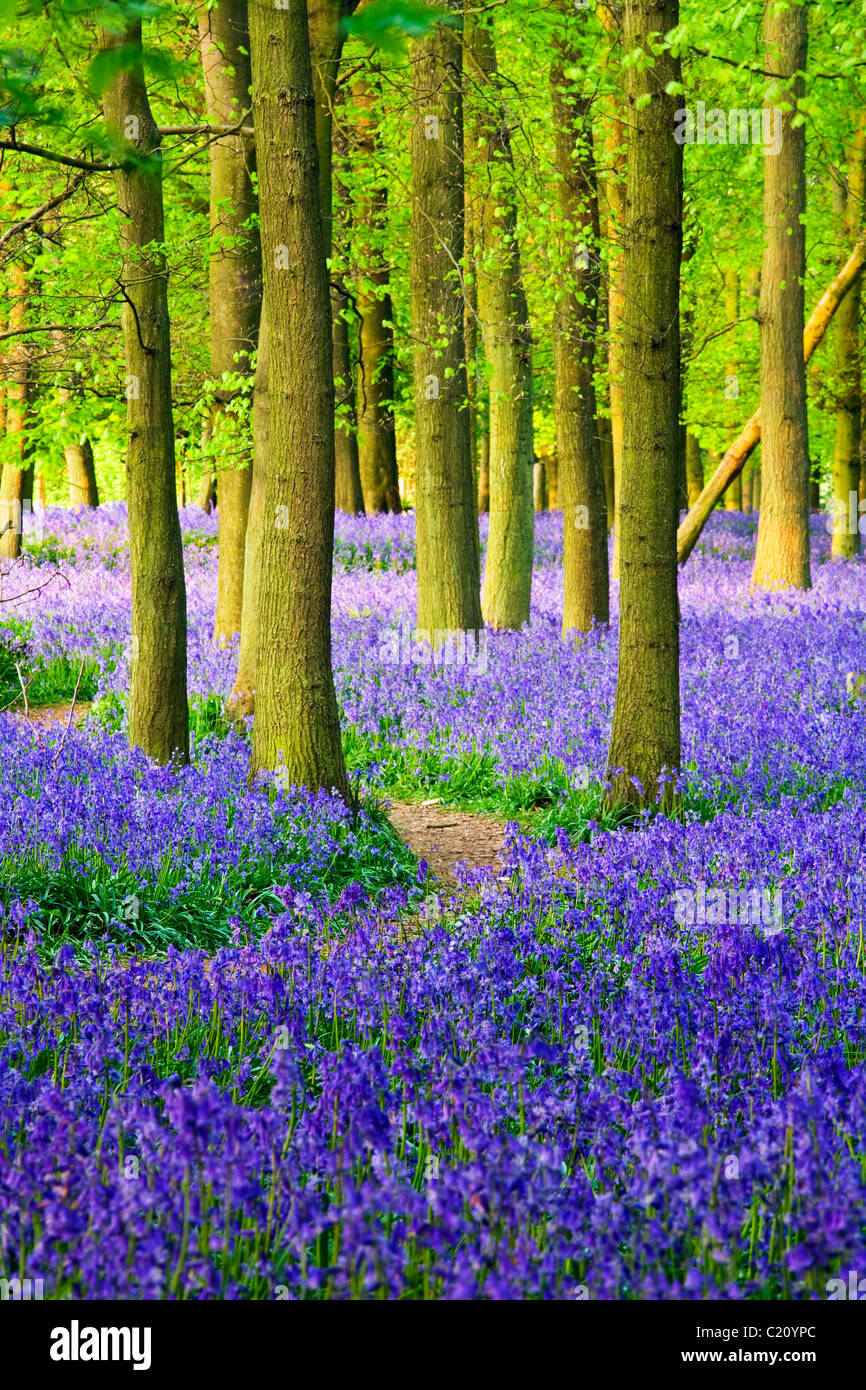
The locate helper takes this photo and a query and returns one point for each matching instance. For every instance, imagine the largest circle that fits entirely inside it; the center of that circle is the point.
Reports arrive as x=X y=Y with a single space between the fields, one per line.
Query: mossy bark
x=446 y=519
x=645 y=740
x=235 y=280
x=581 y=476
x=158 y=712
x=782 y=550
x=296 y=732
x=503 y=315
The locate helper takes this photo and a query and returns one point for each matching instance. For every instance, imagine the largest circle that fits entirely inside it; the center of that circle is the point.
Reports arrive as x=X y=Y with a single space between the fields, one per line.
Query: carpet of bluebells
x=247 y=1053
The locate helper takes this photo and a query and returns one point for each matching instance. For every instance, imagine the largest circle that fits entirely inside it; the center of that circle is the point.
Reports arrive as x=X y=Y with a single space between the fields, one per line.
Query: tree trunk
x=377 y=439
x=846 y=453
x=605 y=443
x=242 y=701
x=158 y=712
x=16 y=483
x=83 y=490
x=207 y=493
x=504 y=318
x=446 y=519
x=296 y=732
x=694 y=469
x=750 y=435
x=584 y=507
x=539 y=485
x=615 y=146
x=734 y=494
x=782 y=550
x=325 y=21
x=484 y=471
x=746 y=477
x=552 y=470
x=645 y=740
x=235 y=280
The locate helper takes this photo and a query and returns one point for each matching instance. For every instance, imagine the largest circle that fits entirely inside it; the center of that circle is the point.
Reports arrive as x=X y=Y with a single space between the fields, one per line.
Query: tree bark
x=296 y=732
x=584 y=508
x=327 y=36
x=615 y=146
x=846 y=452
x=694 y=469
x=158 y=712
x=235 y=277
x=446 y=519
x=242 y=701
x=645 y=740
x=504 y=318
x=377 y=438
x=782 y=550
x=16 y=483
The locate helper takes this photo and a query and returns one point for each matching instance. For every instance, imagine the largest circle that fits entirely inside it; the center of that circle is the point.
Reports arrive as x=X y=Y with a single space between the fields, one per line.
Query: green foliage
x=388 y=24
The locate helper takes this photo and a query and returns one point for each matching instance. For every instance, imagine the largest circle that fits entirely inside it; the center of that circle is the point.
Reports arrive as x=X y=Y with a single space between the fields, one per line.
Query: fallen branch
x=27 y=708
x=71 y=713
x=743 y=446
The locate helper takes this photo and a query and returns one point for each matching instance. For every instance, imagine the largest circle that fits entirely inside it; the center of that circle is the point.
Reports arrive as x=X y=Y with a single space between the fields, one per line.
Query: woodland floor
x=443 y=837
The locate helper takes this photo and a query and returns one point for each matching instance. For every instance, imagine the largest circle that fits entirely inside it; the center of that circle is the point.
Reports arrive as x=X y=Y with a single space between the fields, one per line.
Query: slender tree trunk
x=746 y=476
x=446 y=519
x=504 y=318
x=846 y=453
x=605 y=443
x=615 y=145
x=551 y=468
x=645 y=740
x=694 y=469
x=484 y=470
x=296 y=731
x=539 y=485
x=242 y=701
x=377 y=438
x=158 y=713
x=207 y=493
x=16 y=483
x=327 y=35
x=782 y=551
x=734 y=494
x=235 y=279
x=584 y=508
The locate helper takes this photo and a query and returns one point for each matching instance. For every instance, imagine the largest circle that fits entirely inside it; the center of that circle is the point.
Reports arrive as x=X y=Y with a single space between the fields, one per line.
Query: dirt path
x=443 y=838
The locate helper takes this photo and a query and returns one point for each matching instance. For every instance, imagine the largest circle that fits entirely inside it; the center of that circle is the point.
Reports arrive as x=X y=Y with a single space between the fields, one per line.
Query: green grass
x=541 y=802
x=46 y=682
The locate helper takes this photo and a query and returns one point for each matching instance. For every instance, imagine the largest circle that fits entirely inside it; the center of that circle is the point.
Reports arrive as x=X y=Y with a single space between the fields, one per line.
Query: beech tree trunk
x=158 y=713
x=584 y=507
x=235 y=280
x=615 y=148
x=782 y=550
x=734 y=494
x=645 y=740
x=327 y=36
x=242 y=701
x=846 y=453
x=446 y=519
x=16 y=483
x=377 y=439
x=504 y=318
x=296 y=732
x=694 y=469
